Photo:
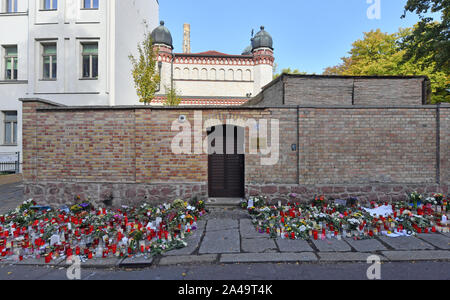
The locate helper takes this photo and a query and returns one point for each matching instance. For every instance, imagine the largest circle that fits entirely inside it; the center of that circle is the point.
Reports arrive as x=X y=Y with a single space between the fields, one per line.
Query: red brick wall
x=445 y=144
x=127 y=152
x=367 y=145
x=97 y=145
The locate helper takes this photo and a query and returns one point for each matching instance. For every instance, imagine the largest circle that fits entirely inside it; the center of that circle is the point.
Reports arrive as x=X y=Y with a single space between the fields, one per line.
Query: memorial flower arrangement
x=32 y=231
x=327 y=219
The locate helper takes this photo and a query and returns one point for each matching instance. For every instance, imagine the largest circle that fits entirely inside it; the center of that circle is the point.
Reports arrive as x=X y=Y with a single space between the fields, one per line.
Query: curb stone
x=187 y=259
x=426 y=255
x=268 y=257
x=346 y=257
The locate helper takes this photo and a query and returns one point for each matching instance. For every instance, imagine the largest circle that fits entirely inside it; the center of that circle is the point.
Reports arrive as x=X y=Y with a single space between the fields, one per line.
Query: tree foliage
x=429 y=41
x=145 y=70
x=289 y=71
x=381 y=53
x=172 y=98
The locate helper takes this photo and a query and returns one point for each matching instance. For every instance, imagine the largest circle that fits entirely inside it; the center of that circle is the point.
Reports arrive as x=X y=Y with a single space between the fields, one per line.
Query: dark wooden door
x=225 y=169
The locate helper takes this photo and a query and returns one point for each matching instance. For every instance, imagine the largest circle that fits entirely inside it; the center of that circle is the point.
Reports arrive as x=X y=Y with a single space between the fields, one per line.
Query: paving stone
x=438 y=240
x=258 y=245
x=447 y=234
x=141 y=261
x=406 y=243
x=370 y=245
x=345 y=256
x=332 y=246
x=268 y=257
x=188 y=259
x=225 y=241
x=192 y=244
x=286 y=245
x=426 y=255
x=221 y=224
x=248 y=230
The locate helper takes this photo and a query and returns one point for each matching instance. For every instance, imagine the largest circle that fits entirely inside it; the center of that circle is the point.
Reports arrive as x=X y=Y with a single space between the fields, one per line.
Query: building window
x=50 y=4
x=11 y=63
x=11 y=6
x=90 y=4
x=90 y=60
x=10 y=126
x=49 y=59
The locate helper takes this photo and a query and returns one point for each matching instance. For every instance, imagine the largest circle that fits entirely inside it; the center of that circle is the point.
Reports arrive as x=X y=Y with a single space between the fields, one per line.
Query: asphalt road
x=347 y=271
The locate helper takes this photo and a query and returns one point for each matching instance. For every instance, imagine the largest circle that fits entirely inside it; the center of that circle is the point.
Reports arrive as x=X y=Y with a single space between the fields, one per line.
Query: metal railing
x=10 y=162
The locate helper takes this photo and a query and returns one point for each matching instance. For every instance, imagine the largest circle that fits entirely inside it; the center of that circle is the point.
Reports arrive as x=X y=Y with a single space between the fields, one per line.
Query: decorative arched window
x=230 y=74
x=204 y=74
x=221 y=75
x=195 y=74
x=213 y=74
x=239 y=75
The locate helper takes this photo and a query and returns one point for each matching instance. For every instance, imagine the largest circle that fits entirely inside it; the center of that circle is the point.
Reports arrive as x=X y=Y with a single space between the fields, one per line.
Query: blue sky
x=308 y=35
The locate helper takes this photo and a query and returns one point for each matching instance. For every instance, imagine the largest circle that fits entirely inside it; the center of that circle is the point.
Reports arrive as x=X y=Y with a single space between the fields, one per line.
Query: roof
x=161 y=35
x=214 y=101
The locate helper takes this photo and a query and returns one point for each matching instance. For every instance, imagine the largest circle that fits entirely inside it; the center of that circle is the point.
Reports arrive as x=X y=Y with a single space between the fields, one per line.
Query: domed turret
x=262 y=40
x=161 y=35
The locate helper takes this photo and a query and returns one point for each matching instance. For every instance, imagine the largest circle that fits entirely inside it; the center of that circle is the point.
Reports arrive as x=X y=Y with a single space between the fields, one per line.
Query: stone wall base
x=364 y=192
x=131 y=194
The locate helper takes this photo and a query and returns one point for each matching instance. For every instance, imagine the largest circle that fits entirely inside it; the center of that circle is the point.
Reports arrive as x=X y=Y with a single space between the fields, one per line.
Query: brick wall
x=126 y=152
x=311 y=90
x=318 y=91
x=445 y=144
x=367 y=146
x=388 y=91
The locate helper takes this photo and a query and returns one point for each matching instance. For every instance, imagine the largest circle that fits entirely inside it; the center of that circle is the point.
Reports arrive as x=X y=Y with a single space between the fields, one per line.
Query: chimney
x=187 y=38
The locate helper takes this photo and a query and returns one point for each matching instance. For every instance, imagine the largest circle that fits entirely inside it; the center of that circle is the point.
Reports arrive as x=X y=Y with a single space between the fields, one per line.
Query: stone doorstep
x=268 y=257
x=188 y=259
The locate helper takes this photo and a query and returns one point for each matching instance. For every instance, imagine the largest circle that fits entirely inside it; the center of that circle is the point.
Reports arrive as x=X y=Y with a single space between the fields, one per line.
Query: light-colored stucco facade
x=212 y=74
x=114 y=26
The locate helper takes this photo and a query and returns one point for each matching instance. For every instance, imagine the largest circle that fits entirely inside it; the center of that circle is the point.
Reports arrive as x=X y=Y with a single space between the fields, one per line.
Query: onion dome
x=262 y=40
x=161 y=35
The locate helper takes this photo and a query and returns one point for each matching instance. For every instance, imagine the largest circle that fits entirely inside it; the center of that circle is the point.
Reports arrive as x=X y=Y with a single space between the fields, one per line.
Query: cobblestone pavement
x=227 y=236
x=11 y=195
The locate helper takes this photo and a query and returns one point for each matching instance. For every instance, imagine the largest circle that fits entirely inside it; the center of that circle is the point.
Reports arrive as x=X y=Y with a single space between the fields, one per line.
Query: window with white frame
x=49 y=4
x=10 y=127
x=89 y=56
x=49 y=61
x=11 y=6
x=90 y=4
x=10 y=62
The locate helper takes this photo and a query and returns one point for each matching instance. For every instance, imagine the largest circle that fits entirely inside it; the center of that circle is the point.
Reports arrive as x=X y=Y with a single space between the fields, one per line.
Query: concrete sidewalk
x=228 y=237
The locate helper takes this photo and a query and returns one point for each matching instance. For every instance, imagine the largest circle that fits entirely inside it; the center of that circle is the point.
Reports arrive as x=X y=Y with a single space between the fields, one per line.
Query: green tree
x=289 y=71
x=429 y=42
x=145 y=71
x=380 y=53
x=172 y=98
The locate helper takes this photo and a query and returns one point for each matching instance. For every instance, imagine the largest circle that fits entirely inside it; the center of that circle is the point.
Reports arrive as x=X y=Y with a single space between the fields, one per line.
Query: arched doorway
x=226 y=161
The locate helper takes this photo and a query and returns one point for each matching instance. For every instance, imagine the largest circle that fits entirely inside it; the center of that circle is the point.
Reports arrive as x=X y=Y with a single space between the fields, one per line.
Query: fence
x=10 y=162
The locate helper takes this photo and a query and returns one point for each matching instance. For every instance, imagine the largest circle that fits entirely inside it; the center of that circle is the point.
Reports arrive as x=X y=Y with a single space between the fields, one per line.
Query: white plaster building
x=212 y=77
x=73 y=52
